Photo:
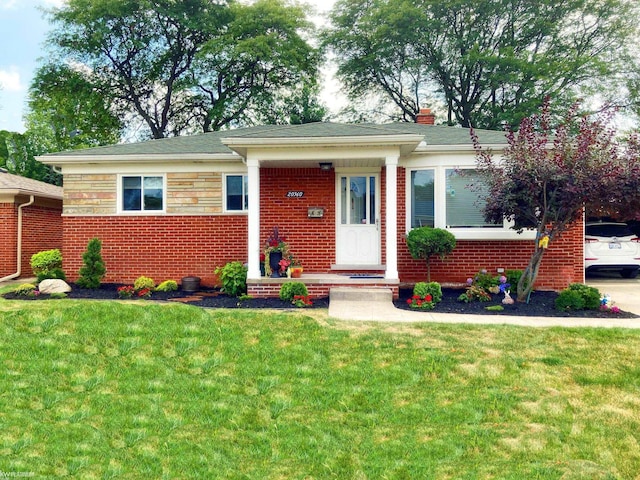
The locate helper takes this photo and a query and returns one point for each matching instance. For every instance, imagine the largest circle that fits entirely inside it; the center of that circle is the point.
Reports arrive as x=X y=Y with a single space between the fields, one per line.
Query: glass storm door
x=358 y=232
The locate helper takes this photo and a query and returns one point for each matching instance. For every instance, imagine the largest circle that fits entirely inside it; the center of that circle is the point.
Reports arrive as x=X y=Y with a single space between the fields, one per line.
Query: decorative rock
x=53 y=285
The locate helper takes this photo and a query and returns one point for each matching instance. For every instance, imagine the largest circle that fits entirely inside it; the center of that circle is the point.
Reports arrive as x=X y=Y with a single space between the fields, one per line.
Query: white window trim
x=224 y=191
x=120 y=195
x=440 y=209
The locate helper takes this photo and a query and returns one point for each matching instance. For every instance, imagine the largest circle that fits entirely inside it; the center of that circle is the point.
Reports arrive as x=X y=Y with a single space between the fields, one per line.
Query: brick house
x=344 y=195
x=30 y=221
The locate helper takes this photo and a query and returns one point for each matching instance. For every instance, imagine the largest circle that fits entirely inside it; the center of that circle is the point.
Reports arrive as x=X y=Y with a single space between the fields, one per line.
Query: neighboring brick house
x=343 y=194
x=30 y=221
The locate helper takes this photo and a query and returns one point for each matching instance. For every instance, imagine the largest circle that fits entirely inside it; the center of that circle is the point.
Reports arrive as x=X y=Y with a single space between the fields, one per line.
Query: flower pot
x=296 y=272
x=274 y=263
x=190 y=284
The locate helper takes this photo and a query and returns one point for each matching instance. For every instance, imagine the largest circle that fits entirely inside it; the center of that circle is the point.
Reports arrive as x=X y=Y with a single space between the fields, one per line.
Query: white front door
x=358 y=229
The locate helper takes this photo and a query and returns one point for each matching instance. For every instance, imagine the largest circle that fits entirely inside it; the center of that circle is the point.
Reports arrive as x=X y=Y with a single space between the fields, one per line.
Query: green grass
x=114 y=390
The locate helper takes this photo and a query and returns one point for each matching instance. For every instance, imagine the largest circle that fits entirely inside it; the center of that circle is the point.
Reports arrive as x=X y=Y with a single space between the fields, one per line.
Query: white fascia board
x=498 y=147
x=5 y=194
x=120 y=159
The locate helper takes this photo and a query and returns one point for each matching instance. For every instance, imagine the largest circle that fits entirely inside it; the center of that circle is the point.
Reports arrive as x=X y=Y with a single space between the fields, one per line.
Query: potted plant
x=276 y=249
x=295 y=268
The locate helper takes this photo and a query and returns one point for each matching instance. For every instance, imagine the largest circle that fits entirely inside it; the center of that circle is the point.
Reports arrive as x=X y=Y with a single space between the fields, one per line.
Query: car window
x=608 y=230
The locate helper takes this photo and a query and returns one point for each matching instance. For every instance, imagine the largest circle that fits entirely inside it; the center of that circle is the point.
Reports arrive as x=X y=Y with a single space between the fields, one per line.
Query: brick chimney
x=425 y=117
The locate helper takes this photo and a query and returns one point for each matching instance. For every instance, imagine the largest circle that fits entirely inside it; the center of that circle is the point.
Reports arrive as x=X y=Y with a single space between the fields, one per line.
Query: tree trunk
x=525 y=285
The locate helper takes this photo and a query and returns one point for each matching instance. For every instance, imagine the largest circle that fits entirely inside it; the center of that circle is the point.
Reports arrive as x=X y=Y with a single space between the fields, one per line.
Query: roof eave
x=136 y=158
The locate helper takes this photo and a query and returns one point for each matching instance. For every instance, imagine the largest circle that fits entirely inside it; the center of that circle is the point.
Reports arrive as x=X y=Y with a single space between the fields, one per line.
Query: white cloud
x=8 y=4
x=10 y=80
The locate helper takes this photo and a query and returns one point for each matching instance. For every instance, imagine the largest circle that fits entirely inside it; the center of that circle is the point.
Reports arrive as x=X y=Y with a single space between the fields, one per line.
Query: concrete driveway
x=624 y=292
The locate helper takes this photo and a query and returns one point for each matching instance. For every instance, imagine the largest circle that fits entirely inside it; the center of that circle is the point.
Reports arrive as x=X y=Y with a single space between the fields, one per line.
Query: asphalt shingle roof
x=9 y=181
x=210 y=143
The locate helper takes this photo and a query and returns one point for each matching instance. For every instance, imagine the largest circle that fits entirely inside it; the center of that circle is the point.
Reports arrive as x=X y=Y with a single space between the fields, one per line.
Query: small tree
x=547 y=177
x=93 y=268
x=425 y=242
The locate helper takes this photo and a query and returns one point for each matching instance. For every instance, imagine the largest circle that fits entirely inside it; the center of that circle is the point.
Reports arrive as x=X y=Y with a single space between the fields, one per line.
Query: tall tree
x=67 y=111
x=490 y=61
x=187 y=66
x=17 y=157
x=547 y=176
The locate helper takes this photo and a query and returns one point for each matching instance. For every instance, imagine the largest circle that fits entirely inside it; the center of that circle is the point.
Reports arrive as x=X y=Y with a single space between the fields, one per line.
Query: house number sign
x=295 y=194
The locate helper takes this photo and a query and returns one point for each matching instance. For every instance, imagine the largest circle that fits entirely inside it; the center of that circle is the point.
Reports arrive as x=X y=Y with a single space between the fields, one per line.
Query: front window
x=464 y=204
x=237 y=199
x=142 y=193
x=422 y=204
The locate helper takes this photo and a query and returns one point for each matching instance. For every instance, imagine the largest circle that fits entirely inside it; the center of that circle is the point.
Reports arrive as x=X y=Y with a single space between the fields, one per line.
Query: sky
x=23 y=30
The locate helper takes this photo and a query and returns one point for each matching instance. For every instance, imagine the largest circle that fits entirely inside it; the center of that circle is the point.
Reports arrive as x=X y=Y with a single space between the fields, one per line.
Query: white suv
x=611 y=246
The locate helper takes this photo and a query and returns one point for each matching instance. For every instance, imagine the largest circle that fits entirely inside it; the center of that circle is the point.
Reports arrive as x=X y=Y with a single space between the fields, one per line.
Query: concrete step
x=353 y=294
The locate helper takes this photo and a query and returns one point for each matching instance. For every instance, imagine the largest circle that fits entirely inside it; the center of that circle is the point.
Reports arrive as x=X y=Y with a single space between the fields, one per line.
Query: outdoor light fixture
x=325 y=166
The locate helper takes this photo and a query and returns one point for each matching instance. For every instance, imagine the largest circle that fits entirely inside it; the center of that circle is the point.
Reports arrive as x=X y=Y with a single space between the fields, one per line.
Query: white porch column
x=391 y=166
x=253 y=219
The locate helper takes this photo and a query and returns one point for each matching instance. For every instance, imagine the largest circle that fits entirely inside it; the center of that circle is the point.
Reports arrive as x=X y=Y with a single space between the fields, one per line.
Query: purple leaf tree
x=547 y=176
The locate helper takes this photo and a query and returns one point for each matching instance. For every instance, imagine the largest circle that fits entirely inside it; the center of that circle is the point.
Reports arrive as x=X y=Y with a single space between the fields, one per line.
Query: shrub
x=93 y=268
x=126 y=291
x=233 y=277
x=302 y=301
x=590 y=295
x=484 y=280
x=54 y=273
x=47 y=264
x=290 y=290
x=25 y=290
x=57 y=295
x=167 y=286
x=569 y=300
x=513 y=277
x=474 y=293
x=143 y=282
x=422 y=289
x=425 y=242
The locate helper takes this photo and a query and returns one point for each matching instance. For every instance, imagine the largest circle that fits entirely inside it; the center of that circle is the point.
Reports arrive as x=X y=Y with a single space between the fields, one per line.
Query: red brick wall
x=8 y=238
x=160 y=247
x=41 y=230
x=164 y=247
x=562 y=263
x=311 y=240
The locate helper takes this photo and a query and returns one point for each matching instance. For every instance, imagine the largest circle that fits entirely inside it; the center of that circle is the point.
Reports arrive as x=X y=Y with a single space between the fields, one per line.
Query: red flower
x=428 y=298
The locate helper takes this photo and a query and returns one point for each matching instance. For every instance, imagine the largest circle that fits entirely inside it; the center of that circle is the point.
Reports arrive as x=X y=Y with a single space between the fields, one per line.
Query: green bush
x=57 y=295
x=485 y=280
x=233 y=277
x=473 y=293
x=167 y=286
x=143 y=282
x=590 y=295
x=47 y=264
x=422 y=289
x=569 y=300
x=513 y=277
x=25 y=290
x=425 y=242
x=290 y=290
x=93 y=268
x=54 y=273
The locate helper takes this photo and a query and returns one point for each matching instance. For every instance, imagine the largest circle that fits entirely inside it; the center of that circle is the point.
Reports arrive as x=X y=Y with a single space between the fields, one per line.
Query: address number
x=295 y=194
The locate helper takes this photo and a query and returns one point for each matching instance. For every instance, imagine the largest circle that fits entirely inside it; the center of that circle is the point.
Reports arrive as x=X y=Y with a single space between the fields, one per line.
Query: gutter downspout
x=19 y=247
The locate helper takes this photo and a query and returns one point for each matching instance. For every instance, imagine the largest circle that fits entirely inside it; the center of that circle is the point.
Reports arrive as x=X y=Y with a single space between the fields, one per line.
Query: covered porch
x=330 y=235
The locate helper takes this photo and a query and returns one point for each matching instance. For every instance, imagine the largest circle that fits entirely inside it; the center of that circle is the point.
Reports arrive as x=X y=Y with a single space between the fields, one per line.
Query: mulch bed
x=542 y=303
x=205 y=298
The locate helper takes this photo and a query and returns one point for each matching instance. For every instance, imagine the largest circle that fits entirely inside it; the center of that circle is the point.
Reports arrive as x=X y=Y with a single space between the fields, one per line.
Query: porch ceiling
x=315 y=163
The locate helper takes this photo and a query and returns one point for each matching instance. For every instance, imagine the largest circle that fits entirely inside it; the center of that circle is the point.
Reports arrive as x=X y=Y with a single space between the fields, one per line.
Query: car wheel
x=629 y=273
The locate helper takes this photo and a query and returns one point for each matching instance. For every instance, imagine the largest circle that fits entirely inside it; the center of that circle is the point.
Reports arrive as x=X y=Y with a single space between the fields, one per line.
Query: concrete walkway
x=374 y=305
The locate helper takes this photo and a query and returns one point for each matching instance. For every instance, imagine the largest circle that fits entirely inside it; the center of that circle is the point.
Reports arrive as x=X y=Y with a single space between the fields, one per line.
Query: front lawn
x=114 y=390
